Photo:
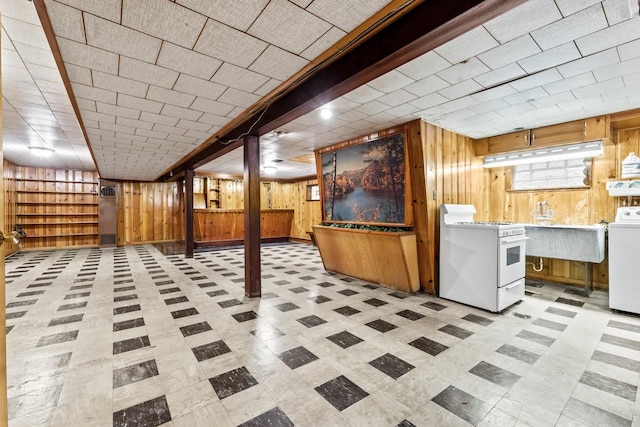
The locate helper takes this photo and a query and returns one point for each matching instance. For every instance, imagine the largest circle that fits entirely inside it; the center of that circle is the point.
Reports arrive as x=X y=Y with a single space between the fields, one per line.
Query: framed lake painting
x=365 y=182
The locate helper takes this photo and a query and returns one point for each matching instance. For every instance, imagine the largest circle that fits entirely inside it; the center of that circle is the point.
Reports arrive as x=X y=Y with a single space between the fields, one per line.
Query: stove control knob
x=638 y=212
x=627 y=213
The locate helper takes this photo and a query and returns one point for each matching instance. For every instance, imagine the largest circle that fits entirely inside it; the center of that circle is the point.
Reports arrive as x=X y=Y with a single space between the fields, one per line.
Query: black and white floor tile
x=131 y=337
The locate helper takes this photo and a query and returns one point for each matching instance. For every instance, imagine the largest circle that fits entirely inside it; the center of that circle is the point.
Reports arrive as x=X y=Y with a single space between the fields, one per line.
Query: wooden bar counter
x=227 y=225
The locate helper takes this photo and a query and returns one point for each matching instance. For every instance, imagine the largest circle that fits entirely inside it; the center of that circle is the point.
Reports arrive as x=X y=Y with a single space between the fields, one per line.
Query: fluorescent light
x=40 y=151
x=563 y=152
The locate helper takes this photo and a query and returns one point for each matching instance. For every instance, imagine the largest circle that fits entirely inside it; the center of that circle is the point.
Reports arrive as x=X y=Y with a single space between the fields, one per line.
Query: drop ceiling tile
x=550 y=58
x=47 y=74
x=571 y=28
x=135 y=138
x=198 y=87
x=424 y=66
x=632 y=81
x=167 y=21
x=525 y=96
x=487 y=106
x=580 y=103
x=352 y=116
x=397 y=97
x=327 y=40
x=108 y=9
x=180 y=113
x=426 y=86
x=515 y=109
x=288 y=26
x=459 y=104
x=239 y=78
x=346 y=15
x=87 y=56
x=277 y=63
x=168 y=96
x=117 y=128
x=429 y=101
x=596 y=89
x=340 y=104
x=590 y=63
x=213 y=119
x=238 y=14
x=119 y=84
x=461 y=89
x=151 y=133
x=617 y=70
x=570 y=83
x=66 y=21
x=617 y=10
x=235 y=112
x=106 y=35
x=463 y=71
x=95 y=94
x=268 y=87
x=509 y=52
x=569 y=7
x=539 y=79
x=391 y=81
x=198 y=135
x=117 y=110
x=610 y=37
x=129 y=101
x=238 y=98
x=629 y=50
x=527 y=17
x=500 y=75
x=148 y=73
x=228 y=44
x=187 y=61
x=171 y=130
x=183 y=140
x=190 y=125
x=158 y=118
x=363 y=94
x=468 y=45
x=212 y=107
x=372 y=107
x=123 y=121
x=86 y=104
x=25 y=33
x=553 y=99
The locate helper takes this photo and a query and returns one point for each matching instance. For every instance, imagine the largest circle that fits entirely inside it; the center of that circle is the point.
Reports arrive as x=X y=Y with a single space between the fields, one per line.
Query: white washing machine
x=624 y=270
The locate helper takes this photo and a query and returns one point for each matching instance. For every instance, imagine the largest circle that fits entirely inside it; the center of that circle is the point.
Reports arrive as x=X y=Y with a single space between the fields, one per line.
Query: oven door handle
x=515 y=239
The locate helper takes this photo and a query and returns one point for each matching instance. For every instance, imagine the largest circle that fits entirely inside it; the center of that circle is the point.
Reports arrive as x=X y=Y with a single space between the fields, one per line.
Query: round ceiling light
x=40 y=151
x=326 y=113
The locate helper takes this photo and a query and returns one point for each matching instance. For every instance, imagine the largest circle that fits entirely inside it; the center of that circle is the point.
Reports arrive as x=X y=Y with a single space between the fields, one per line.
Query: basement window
x=313 y=192
x=574 y=173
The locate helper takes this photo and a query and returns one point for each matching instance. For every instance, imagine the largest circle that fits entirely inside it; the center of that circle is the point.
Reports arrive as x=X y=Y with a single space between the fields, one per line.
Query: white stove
x=482 y=264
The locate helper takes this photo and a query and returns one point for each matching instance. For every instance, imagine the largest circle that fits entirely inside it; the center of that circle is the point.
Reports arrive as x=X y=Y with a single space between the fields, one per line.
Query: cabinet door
x=563 y=133
x=515 y=141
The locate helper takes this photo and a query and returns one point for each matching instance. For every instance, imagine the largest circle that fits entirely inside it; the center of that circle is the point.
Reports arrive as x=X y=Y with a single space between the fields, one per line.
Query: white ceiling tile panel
x=212 y=107
x=617 y=10
x=235 y=112
x=184 y=140
x=79 y=74
x=34 y=55
x=26 y=33
x=500 y=75
x=213 y=119
x=363 y=94
x=571 y=28
x=632 y=80
x=180 y=113
x=172 y=130
x=351 y=116
x=468 y=45
x=515 y=109
x=429 y=101
x=617 y=70
x=87 y=56
x=528 y=17
x=346 y=15
x=112 y=37
x=570 y=83
x=553 y=99
x=187 y=61
x=151 y=133
x=129 y=101
x=19 y=10
x=277 y=63
x=134 y=123
x=463 y=71
x=108 y=9
x=609 y=37
x=327 y=40
x=168 y=96
x=148 y=73
x=540 y=79
x=190 y=125
x=117 y=128
x=598 y=88
x=525 y=96
x=118 y=111
x=119 y=84
x=424 y=66
x=569 y=7
x=509 y=52
x=288 y=26
x=485 y=107
x=86 y=104
x=66 y=21
x=138 y=138
x=459 y=104
x=238 y=98
x=629 y=50
x=550 y=58
x=268 y=87
x=590 y=63
x=397 y=97
x=96 y=94
x=372 y=107
x=228 y=44
x=198 y=135
x=198 y=87
x=164 y=20
x=46 y=74
x=580 y=103
x=391 y=81
x=239 y=78
x=158 y=118
x=461 y=89
x=239 y=13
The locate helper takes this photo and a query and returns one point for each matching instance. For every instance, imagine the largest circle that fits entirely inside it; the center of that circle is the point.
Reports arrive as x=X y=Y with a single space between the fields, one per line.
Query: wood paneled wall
x=149 y=212
x=10 y=207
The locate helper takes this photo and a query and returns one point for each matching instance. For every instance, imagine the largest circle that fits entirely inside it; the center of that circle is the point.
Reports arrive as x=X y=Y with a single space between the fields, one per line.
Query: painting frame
x=385 y=216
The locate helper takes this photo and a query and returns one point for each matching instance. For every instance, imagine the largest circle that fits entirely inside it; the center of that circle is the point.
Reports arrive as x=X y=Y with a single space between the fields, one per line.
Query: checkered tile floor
x=131 y=337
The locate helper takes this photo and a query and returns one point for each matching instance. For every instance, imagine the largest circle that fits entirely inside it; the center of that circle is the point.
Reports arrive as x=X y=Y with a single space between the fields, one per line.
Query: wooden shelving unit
x=57 y=208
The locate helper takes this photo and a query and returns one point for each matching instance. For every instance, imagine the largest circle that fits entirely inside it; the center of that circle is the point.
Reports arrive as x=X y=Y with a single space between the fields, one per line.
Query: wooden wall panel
x=10 y=206
x=149 y=212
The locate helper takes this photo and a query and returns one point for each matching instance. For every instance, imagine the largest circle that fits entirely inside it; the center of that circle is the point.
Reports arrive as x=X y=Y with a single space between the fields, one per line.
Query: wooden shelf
x=59 y=223
x=59 y=214
x=57 y=203
x=61 y=235
x=51 y=180
x=56 y=192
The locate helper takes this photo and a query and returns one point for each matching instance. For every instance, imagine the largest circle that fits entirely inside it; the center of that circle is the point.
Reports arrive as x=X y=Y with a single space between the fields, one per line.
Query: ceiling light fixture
x=280 y=133
x=326 y=113
x=40 y=151
x=562 y=152
x=269 y=170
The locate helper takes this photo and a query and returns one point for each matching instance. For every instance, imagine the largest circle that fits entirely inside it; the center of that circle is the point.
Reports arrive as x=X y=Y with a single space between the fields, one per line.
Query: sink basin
x=583 y=243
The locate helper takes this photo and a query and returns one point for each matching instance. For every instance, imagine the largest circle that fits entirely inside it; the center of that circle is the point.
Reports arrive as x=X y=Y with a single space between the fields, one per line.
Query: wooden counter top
x=214 y=225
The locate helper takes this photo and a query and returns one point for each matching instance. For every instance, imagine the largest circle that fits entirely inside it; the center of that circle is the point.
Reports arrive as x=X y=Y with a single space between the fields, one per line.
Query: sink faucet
x=542 y=214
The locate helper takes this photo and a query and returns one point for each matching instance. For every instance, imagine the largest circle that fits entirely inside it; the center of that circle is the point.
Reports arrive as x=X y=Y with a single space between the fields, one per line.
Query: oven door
x=511 y=259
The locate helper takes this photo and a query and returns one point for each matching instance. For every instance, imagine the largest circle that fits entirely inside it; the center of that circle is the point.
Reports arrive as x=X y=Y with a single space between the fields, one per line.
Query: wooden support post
x=188 y=214
x=252 y=275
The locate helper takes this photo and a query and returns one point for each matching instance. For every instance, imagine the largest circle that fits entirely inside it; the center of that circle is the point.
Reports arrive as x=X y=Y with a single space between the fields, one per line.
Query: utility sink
x=583 y=243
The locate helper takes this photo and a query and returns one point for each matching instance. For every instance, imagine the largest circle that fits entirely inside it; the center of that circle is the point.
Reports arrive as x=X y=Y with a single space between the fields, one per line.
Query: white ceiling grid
x=36 y=110
x=154 y=79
